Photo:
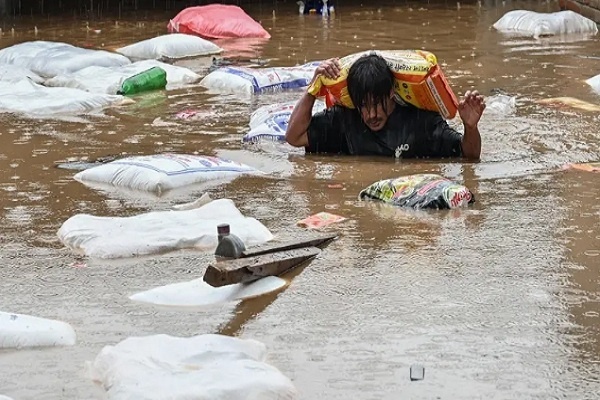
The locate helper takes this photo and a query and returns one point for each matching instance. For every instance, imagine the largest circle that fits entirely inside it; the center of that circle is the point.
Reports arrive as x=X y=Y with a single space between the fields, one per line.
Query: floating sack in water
x=163 y=172
x=49 y=59
x=19 y=331
x=28 y=98
x=419 y=81
x=15 y=73
x=154 y=78
x=238 y=80
x=214 y=367
x=531 y=23
x=159 y=231
x=588 y=167
x=501 y=104
x=569 y=102
x=217 y=21
x=419 y=191
x=197 y=293
x=270 y=122
x=110 y=79
x=174 y=46
x=594 y=83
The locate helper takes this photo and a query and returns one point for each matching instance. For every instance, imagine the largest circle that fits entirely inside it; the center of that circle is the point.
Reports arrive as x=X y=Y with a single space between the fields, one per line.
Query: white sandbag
x=2 y=397
x=31 y=99
x=242 y=80
x=163 y=172
x=270 y=122
x=536 y=24
x=61 y=58
x=594 y=83
x=20 y=331
x=159 y=231
x=109 y=80
x=23 y=53
x=202 y=367
x=500 y=104
x=173 y=46
x=15 y=73
x=197 y=293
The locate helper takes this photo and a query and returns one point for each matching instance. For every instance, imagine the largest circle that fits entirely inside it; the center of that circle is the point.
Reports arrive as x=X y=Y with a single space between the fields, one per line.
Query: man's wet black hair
x=370 y=81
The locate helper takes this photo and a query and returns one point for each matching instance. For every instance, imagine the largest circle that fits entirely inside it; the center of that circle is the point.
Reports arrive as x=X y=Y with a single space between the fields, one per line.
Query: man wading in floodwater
x=381 y=126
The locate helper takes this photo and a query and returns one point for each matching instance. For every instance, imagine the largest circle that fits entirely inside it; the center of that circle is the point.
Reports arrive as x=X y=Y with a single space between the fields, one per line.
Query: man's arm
x=296 y=133
x=470 y=109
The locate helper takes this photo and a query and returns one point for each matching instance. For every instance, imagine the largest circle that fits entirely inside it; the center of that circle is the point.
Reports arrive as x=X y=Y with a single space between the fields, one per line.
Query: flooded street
x=497 y=301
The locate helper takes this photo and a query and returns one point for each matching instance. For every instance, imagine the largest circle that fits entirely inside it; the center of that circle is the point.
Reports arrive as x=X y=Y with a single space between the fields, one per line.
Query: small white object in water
x=300 y=7
x=19 y=331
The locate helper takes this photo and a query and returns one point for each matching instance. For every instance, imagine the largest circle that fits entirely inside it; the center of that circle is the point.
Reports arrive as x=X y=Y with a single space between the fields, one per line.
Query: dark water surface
x=499 y=301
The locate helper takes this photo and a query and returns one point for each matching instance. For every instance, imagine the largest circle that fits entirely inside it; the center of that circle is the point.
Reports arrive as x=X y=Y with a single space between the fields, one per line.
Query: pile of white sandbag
x=109 y=79
x=14 y=73
x=200 y=367
x=530 y=23
x=23 y=331
x=169 y=47
x=248 y=81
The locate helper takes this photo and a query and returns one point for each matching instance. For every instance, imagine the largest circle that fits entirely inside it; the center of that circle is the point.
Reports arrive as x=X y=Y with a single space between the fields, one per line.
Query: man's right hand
x=330 y=68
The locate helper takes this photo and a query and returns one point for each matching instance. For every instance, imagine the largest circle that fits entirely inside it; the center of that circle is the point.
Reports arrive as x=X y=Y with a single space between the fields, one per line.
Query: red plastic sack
x=217 y=21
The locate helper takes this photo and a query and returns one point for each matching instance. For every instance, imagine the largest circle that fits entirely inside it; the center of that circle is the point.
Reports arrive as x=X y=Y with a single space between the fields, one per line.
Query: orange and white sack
x=419 y=81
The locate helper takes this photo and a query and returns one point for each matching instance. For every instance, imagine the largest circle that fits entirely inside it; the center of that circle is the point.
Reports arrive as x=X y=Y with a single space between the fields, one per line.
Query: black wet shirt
x=408 y=133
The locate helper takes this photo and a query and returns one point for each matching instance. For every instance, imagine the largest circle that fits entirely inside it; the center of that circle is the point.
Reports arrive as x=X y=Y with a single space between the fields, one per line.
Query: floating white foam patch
x=536 y=24
x=594 y=83
x=203 y=367
x=199 y=293
x=159 y=231
x=173 y=46
x=28 y=98
x=109 y=79
x=19 y=331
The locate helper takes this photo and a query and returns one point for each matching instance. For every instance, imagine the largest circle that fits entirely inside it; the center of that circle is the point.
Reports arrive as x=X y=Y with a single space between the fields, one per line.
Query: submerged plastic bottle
x=154 y=78
x=230 y=246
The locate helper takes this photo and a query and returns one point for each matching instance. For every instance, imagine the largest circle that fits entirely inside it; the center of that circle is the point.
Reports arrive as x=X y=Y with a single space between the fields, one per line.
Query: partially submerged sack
x=270 y=122
x=215 y=367
x=15 y=73
x=28 y=98
x=163 y=172
x=536 y=24
x=110 y=80
x=594 y=83
x=217 y=21
x=173 y=46
x=20 y=331
x=419 y=192
x=238 y=80
x=23 y=53
x=49 y=59
x=159 y=231
x=419 y=81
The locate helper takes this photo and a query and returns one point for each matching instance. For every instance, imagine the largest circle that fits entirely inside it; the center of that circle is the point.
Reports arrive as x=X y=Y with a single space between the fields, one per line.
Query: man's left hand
x=471 y=108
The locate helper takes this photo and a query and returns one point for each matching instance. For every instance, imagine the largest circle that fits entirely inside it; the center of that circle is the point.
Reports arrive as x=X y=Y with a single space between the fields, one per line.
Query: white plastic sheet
x=204 y=367
x=21 y=331
x=594 y=83
x=159 y=231
x=173 y=46
x=501 y=104
x=109 y=80
x=197 y=293
x=243 y=80
x=163 y=172
x=15 y=73
x=27 y=97
x=536 y=24
x=270 y=122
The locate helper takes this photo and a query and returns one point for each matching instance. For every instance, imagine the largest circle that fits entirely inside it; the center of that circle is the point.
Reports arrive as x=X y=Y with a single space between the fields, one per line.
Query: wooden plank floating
x=248 y=269
x=318 y=241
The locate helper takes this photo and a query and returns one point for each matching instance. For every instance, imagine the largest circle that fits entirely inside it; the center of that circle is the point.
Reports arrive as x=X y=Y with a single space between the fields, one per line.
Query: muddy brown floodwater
x=498 y=301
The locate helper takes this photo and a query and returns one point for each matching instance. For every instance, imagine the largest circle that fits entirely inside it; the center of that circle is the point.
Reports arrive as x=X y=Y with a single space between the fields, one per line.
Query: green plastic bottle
x=154 y=78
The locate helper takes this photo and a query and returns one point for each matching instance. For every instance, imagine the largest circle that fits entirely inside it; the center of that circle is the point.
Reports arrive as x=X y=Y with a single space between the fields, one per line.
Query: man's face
x=376 y=115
